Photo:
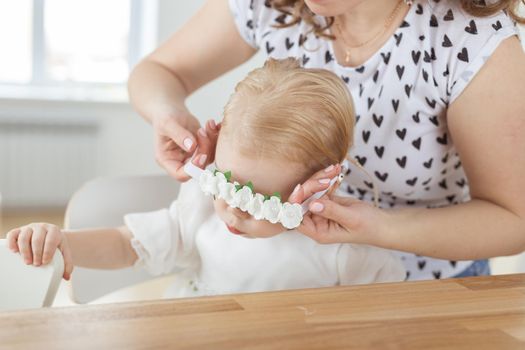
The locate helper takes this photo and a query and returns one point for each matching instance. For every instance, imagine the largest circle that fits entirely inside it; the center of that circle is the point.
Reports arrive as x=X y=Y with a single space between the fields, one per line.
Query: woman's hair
x=286 y=112
x=298 y=11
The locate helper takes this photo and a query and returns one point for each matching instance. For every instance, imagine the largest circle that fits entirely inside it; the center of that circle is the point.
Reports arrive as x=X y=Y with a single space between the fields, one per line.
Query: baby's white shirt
x=190 y=239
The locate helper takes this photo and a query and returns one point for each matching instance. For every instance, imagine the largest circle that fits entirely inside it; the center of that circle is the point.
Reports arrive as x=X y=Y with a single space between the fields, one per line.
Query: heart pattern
x=400 y=94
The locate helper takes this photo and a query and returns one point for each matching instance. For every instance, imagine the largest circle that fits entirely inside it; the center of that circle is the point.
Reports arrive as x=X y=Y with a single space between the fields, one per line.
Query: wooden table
x=472 y=313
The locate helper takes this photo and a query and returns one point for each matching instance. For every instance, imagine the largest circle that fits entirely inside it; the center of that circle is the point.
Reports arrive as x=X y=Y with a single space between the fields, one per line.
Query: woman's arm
x=207 y=46
x=104 y=248
x=487 y=124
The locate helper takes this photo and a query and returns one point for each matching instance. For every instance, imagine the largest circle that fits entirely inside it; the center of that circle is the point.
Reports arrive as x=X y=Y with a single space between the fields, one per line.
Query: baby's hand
x=37 y=244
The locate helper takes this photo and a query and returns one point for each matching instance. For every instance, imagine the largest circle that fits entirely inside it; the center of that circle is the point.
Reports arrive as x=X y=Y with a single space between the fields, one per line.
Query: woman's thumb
x=180 y=135
x=331 y=210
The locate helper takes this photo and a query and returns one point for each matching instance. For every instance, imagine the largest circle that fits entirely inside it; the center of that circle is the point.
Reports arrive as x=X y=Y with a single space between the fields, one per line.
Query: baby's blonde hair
x=286 y=112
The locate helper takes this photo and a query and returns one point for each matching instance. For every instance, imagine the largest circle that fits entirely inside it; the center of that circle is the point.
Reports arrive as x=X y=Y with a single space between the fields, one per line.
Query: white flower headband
x=261 y=207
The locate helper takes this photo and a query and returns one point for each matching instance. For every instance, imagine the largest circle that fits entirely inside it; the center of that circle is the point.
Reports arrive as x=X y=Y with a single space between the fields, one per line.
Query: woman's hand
x=336 y=219
x=177 y=137
x=37 y=244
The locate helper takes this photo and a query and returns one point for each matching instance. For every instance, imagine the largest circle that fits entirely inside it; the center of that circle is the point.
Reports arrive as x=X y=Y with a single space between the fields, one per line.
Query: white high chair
x=102 y=203
x=25 y=286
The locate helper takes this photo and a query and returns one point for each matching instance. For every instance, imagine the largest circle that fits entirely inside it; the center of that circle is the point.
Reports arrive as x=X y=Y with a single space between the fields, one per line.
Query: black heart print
x=305 y=59
x=449 y=16
x=446 y=42
x=288 y=44
x=433 y=21
x=411 y=182
x=269 y=48
x=328 y=57
x=416 y=56
x=401 y=133
x=402 y=161
x=417 y=143
x=378 y=120
x=366 y=135
x=361 y=160
x=400 y=71
x=379 y=150
x=302 y=39
x=472 y=28
x=380 y=176
x=395 y=105
x=463 y=55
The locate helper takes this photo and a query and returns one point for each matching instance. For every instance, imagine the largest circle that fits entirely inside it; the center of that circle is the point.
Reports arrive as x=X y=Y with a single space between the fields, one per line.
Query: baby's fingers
x=12 y=239
x=52 y=241
x=24 y=244
x=37 y=244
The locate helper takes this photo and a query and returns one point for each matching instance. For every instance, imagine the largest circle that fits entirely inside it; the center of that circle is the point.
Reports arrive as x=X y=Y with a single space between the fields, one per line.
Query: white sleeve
x=473 y=50
x=158 y=241
x=361 y=264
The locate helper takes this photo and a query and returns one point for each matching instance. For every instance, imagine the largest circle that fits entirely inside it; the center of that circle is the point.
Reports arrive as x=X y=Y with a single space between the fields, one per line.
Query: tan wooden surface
x=472 y=313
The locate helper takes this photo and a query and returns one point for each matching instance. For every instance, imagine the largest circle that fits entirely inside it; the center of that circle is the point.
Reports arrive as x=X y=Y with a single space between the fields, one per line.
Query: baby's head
x=282 y=124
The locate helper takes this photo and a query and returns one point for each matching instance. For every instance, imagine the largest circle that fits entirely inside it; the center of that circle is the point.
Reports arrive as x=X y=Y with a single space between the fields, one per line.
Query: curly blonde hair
x=298 y=11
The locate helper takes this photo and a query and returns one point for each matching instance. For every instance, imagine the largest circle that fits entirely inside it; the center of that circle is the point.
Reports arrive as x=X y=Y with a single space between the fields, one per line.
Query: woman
x=440 y=126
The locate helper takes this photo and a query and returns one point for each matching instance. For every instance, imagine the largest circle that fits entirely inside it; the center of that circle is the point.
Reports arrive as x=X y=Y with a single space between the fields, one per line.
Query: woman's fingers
x=12 y=239
x=318 y=182
x=24 y=244
x=171 y=127
x=345 y=212
x=171 y=157
x=175 y=143
x=37 y=244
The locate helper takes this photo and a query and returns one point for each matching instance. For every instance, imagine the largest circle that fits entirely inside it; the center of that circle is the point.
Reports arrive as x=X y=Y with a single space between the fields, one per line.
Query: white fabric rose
x=291 y=215
x=207 y=182
x=255 y=207
x=243 y=198
x=226 y=191
x=233 y=200
x=272 y=209
x=219 y=179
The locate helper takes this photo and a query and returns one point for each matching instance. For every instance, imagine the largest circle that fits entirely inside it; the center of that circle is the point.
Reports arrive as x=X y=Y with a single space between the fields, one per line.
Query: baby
x=229 y=230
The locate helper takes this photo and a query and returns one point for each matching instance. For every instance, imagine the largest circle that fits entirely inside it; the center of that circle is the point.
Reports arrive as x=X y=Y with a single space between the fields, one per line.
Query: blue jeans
x=478 y=268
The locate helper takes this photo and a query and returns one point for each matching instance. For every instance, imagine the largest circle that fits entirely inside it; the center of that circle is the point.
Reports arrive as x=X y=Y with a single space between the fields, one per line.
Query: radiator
x=42 y=164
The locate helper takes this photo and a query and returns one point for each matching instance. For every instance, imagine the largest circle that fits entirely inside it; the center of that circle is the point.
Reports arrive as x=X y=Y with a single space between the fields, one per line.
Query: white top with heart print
x=401 y=95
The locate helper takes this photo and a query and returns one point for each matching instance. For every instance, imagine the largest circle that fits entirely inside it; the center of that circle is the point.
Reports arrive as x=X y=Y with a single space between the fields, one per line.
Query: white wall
x=125 y=139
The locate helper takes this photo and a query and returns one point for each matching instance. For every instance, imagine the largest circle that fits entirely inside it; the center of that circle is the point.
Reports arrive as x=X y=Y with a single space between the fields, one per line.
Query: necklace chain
x=386 y=25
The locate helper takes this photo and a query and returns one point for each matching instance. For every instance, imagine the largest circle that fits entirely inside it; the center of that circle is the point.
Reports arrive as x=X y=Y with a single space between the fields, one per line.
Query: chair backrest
x=25 y=286
x=102 y=203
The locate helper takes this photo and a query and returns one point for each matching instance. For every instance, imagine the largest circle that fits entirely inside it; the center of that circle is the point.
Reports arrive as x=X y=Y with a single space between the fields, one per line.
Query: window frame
x=142 y=39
